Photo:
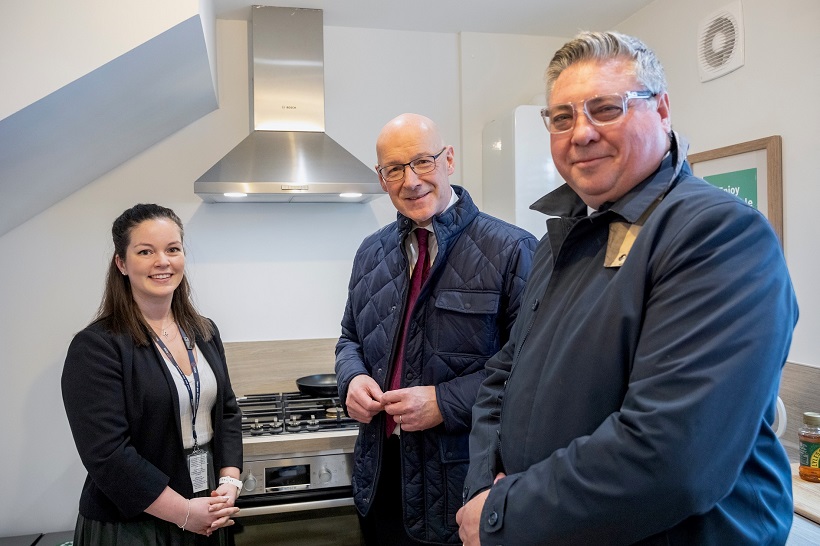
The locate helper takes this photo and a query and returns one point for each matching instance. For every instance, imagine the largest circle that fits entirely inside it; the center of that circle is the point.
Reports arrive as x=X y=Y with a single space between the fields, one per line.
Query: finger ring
x=400 y=421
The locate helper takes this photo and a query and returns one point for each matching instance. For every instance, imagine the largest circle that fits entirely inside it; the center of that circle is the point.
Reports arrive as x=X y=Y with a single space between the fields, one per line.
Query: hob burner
x=291 y=413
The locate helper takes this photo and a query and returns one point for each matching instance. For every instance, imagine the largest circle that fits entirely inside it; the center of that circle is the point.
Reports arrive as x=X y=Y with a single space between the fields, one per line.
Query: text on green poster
x=742 y=184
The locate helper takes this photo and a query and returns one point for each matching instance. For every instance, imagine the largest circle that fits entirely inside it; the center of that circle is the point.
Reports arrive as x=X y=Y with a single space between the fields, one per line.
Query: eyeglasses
x=600 y=110
x=421 y=165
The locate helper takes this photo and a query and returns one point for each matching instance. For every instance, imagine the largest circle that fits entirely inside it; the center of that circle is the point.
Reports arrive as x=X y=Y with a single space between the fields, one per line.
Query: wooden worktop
x=806 y=496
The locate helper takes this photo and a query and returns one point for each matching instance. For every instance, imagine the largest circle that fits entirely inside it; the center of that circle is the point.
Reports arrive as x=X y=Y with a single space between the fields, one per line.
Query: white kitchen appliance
x=517 y=168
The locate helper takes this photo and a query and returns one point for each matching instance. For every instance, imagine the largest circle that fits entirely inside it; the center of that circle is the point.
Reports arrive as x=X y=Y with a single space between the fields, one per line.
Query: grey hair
x=602 y=46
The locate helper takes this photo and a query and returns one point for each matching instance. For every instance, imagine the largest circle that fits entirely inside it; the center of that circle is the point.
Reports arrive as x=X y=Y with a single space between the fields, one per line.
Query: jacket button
x=468 y=305
x=493 y=519
x=392 y=308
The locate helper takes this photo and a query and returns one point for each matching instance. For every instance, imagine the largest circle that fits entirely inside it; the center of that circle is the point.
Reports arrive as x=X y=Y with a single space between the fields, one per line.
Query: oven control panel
x=297 y=473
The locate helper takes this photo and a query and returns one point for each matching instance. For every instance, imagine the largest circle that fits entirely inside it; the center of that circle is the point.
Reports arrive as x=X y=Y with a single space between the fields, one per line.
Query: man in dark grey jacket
x=635 y=398
x=410 y=372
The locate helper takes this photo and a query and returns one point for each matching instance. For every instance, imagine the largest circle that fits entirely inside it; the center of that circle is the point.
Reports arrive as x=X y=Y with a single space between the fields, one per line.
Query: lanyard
x=194 y=400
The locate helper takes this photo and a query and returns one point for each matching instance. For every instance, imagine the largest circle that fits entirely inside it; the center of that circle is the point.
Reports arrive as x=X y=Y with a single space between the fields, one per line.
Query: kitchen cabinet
x=328 y=527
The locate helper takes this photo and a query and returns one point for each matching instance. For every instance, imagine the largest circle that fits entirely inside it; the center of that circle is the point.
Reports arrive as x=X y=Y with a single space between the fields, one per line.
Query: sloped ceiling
x=76 y=134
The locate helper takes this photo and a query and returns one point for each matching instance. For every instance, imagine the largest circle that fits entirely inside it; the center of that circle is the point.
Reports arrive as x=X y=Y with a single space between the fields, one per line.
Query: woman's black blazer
x=123 y=409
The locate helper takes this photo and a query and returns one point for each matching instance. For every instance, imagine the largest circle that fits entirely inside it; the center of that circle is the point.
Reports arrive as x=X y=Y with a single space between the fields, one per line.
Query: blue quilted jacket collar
x=448 y=225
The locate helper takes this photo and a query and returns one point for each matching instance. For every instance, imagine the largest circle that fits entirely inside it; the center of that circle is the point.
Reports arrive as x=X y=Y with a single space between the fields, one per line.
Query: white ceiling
x=560 y=18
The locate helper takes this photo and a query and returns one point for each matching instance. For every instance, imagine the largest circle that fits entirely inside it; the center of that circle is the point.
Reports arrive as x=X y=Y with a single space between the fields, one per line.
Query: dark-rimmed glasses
x=599 y=110
x=421 y=165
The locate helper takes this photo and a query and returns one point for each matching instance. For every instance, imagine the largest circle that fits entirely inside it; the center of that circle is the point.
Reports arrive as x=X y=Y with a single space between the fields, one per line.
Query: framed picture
x=750 y=170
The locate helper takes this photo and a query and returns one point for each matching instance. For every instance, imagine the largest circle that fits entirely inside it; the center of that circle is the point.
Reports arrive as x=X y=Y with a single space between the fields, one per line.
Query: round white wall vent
x=720 y=42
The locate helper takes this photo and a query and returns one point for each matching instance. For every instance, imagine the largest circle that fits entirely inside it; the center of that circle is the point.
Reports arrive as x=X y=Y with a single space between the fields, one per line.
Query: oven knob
x=325 y=475
x=250 y=482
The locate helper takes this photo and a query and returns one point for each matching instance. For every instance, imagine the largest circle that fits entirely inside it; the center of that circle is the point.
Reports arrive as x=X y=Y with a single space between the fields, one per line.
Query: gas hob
x=291 y=413
x=287 y=424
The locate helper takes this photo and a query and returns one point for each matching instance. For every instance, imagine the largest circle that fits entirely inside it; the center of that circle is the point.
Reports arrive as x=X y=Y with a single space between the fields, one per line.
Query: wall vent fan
x=720 y=42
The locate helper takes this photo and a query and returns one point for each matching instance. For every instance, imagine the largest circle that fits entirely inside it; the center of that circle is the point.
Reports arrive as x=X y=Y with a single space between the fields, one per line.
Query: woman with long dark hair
x=149 y=401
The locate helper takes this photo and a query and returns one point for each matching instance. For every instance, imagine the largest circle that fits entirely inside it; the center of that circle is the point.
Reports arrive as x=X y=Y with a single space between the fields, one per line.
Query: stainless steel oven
x=298 y=463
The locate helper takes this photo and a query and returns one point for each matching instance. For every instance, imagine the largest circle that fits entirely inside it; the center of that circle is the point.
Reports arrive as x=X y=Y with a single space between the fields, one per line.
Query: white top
x=207 y=399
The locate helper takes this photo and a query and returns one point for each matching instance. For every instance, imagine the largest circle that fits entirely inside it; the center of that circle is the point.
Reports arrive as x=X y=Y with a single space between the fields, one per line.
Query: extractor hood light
x=350 y=195
x=235 y=194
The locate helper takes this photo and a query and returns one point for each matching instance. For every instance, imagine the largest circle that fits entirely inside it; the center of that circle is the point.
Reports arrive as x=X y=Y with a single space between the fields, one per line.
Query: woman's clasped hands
x=210 y=513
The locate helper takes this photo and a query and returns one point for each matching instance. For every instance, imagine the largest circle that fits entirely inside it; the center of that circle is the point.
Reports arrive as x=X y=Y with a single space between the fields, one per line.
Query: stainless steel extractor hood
x=288 y=157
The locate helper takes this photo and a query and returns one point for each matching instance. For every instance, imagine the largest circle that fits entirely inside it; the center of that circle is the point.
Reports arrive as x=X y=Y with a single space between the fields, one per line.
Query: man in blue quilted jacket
x=415 y=336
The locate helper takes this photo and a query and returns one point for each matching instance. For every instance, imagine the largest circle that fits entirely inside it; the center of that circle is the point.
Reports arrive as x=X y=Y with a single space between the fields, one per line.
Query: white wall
x=772 y=94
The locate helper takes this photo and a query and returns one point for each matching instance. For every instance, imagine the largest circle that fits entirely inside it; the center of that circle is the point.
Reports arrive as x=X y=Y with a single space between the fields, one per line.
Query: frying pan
x=322 y=384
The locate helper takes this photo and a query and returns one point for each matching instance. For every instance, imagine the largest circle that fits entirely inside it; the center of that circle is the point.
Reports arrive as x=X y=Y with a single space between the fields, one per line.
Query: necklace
x=163 y=331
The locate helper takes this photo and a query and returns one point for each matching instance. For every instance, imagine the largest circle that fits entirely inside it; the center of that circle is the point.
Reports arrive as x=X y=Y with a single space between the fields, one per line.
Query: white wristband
x=233 y=481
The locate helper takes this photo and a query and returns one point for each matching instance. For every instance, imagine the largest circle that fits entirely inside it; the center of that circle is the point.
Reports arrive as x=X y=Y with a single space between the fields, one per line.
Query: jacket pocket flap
x=468 y=301
x=455 y=448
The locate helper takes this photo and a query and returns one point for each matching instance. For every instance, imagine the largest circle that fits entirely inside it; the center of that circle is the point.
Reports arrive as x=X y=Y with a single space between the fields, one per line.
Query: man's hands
x=364 y=398
x=414 y=408
x=468 y=517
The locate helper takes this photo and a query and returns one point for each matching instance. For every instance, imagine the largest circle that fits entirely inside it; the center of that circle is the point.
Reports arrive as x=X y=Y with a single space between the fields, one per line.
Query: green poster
x=741 y=184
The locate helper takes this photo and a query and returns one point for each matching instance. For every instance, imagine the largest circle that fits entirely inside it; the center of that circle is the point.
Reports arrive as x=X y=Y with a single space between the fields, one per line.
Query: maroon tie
x=420 y=273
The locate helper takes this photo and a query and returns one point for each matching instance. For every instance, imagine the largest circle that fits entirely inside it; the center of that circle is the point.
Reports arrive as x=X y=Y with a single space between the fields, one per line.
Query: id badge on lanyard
x=199 y=461
x=199 y=465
